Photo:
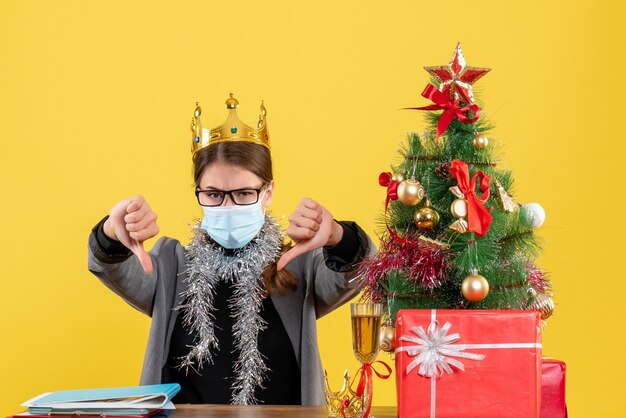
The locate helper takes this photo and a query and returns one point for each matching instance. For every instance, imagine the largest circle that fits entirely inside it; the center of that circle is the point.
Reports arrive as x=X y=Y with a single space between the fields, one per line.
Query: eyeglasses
x=240 y=197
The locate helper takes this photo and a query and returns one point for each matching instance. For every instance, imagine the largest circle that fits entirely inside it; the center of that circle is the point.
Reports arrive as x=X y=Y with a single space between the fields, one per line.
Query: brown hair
x=257 y=159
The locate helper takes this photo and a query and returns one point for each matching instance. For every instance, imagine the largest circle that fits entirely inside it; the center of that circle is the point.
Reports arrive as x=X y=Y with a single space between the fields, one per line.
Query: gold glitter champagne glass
x=365 y=331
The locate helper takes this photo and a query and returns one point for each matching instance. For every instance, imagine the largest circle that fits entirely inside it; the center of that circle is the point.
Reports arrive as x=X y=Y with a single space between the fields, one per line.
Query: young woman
x=233 y=312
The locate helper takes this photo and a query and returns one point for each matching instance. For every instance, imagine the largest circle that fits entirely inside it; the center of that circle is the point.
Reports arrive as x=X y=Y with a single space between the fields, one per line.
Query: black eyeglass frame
x=230 y=193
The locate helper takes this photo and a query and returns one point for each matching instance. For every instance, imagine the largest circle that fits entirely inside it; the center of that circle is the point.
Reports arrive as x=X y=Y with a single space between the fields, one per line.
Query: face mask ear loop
x=261 y=200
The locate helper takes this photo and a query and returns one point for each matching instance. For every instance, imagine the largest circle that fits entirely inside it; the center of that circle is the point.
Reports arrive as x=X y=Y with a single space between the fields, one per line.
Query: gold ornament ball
x=410 y=192
x=399 y=177
x=475 y=287
x=387 y=340
x=544 y=305
x=426 y=218
x=481 y=141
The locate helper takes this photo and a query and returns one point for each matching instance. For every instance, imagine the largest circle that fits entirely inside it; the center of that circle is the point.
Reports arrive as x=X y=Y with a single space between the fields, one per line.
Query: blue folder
x=129 y=400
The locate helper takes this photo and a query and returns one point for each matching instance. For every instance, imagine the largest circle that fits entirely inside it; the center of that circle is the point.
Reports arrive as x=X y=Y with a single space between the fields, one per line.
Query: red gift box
x=484 y=364
x=553 y=389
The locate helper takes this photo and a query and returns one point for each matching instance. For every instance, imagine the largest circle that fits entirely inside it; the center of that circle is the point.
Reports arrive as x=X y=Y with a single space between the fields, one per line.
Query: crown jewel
x=232 y=130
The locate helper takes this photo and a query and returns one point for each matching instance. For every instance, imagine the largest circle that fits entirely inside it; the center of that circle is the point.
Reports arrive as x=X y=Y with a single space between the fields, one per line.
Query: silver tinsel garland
x=209 y=263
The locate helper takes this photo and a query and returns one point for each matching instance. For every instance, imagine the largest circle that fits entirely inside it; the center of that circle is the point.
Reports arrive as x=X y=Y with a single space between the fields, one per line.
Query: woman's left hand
x=311 y=226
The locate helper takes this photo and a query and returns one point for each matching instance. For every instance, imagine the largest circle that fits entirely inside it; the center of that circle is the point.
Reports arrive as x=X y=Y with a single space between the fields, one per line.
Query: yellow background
x=95 y=104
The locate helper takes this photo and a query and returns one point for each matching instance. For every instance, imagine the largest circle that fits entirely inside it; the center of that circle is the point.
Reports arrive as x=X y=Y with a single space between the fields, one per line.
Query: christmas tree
x=452 y=235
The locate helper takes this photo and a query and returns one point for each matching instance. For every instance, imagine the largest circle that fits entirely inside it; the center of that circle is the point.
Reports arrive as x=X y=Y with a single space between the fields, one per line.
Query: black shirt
x=212 y=383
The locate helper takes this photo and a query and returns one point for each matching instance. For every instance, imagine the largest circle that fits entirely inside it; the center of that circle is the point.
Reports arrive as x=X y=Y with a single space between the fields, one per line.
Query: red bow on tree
x=478 y=216
x=451 y=110
x=386 y=180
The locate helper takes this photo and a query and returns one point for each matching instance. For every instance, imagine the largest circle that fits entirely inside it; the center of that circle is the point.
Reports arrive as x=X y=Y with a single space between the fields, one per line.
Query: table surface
x=267 y=411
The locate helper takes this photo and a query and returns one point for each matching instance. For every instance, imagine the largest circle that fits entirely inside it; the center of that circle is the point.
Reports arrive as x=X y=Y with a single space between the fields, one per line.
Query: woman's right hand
x=132 y=222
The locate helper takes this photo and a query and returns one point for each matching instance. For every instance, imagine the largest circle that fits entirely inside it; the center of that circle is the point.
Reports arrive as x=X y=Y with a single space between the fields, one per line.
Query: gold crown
x=344 y=403
x=232 y=130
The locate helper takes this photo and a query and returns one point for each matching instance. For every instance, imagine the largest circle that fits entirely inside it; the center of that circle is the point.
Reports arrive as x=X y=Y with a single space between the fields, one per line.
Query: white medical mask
x=233 y=226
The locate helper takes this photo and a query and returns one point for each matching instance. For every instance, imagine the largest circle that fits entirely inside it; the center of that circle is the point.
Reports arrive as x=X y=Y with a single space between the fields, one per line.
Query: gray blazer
x=322 y=287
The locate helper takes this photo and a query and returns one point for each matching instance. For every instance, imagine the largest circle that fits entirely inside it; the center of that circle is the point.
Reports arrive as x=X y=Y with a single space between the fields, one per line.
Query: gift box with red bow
x=468 y=363
x=553 y=389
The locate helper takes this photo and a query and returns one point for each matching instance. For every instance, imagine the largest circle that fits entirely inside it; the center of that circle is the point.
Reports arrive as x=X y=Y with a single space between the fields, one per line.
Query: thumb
x=144 y=258
x=320 y=239
x=298 y=249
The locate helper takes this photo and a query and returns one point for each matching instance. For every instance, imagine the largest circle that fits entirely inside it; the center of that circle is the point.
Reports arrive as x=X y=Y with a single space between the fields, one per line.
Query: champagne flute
x=366 y=319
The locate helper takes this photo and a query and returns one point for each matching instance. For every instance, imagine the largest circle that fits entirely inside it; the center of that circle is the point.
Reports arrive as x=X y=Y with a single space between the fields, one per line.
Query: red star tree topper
x=456 y=78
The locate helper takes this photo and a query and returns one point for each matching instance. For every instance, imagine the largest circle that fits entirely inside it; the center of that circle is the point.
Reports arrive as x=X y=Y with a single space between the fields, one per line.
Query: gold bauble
x=544 y=305
x=480 y=141
x=398 y=177
x=410 y=192
x=387 y=339
x=426 y=218
x=475 y=287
